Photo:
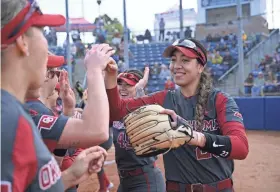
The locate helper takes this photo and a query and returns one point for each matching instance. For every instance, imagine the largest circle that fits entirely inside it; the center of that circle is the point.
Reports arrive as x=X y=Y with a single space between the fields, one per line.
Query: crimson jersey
x=189 y=164
x=49 y=125
x=27 y=164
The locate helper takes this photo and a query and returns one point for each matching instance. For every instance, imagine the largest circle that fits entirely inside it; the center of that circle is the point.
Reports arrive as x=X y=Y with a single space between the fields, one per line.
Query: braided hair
x=204 y=88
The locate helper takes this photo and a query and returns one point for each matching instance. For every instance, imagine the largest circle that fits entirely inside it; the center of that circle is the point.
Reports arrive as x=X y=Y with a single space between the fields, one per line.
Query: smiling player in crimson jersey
x=206 y=163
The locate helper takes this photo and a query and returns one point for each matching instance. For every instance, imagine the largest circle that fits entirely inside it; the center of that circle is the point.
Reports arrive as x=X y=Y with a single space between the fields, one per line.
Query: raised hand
x=66 y=93
x=112 y=67
x=144 y=81
x=98 y=57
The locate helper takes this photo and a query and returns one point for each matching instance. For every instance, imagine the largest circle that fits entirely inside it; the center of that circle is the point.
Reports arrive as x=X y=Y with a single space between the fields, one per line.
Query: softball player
x=137 y=174
x=206 y=163
x=27 y=165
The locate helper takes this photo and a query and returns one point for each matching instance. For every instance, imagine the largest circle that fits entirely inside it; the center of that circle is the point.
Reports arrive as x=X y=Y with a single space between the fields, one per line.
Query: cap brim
x=187 y=52
x=55 y=61
x=48 y=20
x=128 y=81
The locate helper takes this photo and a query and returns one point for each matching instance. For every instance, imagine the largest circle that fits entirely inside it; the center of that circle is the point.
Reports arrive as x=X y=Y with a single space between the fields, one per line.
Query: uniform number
x=201 y=155
x=6 y=186
x=123 y=141
x=46 y=122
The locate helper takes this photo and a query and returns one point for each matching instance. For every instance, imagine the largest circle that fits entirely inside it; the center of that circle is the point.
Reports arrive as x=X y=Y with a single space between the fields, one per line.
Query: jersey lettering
x=202 y=155
x=123 y=141
x=46 y=122
x=6 y=186
x=49 y=174
x=118 y=125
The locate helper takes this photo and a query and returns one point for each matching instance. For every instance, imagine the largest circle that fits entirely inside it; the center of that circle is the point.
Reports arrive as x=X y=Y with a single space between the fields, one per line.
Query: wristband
x=60 y=152
x=219 y=145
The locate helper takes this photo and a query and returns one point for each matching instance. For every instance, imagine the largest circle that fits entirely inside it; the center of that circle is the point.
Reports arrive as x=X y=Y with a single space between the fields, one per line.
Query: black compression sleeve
x=217 y=144
x=60 y=152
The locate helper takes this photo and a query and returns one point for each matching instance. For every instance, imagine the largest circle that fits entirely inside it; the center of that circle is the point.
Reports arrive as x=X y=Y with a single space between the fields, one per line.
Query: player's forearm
x=96 y=113
x=68 y=179
x=233 y=145
x=68 y=111
x=110 y=81
x=115 y=103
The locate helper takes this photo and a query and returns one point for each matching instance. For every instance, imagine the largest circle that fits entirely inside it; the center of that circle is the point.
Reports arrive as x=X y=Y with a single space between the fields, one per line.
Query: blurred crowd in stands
x=265 y=79
x=222 y=55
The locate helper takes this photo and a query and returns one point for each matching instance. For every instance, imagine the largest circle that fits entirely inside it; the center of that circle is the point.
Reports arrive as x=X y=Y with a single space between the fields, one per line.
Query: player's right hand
x=98 y=57
x=112 y=67
x=87 y=162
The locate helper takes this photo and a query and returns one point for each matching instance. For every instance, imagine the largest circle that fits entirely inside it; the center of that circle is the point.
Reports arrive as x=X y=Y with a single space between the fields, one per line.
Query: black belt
x=135 y=172
x=172 y=186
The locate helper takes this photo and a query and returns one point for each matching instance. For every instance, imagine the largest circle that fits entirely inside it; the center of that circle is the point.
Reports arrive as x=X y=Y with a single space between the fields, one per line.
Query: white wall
x=201 y=14
x=257 y=7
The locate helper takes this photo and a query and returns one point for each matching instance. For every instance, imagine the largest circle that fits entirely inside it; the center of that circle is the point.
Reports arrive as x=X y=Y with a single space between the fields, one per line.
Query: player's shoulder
x=11 y=108
x=36 y=106
x=13 y=116
x=218 y=94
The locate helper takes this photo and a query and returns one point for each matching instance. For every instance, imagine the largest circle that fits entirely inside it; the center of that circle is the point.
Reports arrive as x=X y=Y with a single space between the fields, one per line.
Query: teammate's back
x=27 y=165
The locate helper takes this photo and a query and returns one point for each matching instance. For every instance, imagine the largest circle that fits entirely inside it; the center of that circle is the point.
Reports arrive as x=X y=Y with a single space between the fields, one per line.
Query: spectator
x=277 y=57
x=270 y=83
x=116 y=38
x=278 y=48
x=120 y=51
x=164 y=72
x=148 y=35
x=161 y=29
x=169 y=85
x=210 y=55
x=218 y=59
x=73 y=50
x=244 y=36
x=228 y=59
x=259 y=82
x=209 y=38
x=249 y=83
x=262 y=65
x=188 y=33
x=224 y=47
x=246 y=48
x=155 y=70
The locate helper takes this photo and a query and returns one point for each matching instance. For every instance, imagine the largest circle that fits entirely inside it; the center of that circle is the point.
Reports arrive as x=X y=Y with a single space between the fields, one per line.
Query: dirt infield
x=258 y=173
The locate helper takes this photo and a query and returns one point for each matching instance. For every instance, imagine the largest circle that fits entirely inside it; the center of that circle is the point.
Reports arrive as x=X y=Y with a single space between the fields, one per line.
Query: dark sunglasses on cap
x=127 y=76
x=33 y=8
x=190 y=45
x=52 y=73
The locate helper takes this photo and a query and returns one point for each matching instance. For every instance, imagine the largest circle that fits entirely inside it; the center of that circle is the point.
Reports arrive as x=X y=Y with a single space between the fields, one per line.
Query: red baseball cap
x=55 y=61
x=188 y=48
x=129 y=78
x=186 y=51
x=29 y=16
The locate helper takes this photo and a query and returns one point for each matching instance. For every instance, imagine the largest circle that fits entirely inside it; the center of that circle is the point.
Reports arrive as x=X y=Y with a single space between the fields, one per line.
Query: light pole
x=181 y=20
x=99 y=3
x=126 y=57
x=99 y=17
x=68 y=54
x=240 y=47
